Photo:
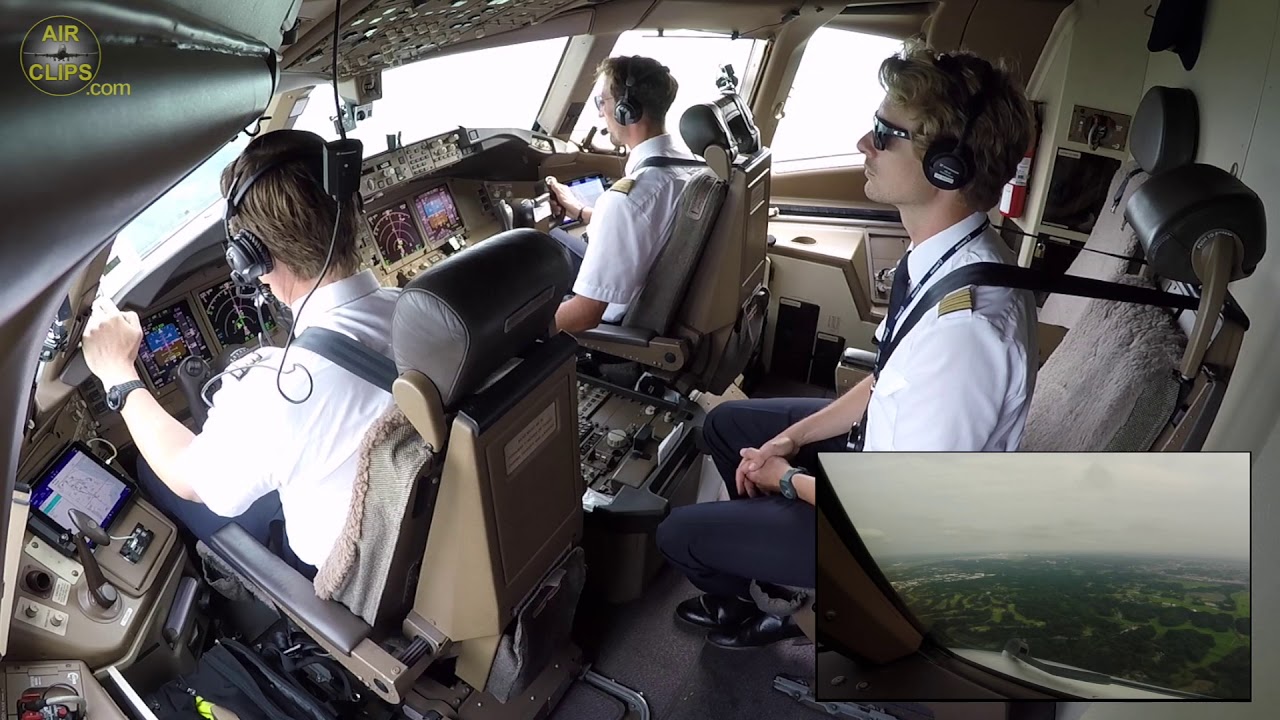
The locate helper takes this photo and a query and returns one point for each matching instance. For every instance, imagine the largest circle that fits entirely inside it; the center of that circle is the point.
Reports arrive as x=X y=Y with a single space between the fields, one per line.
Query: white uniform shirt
x=629 y=229
x=255 y=441
x=962 y=380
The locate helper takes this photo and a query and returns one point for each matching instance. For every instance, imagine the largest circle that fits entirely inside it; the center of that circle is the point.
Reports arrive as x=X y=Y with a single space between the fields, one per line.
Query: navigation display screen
x=395 y=232
x=78 y=481
x=234 y=318
x=168 y=337
x=438 y=215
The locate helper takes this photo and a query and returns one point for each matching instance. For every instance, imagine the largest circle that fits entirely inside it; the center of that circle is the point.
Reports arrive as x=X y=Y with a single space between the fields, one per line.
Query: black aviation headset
x=625 y=109
x=948 y=163
x=334 y=166
x=328 y=165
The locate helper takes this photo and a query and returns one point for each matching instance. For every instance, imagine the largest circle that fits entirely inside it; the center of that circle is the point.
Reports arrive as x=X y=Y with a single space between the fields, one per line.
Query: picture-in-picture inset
x=987 y=576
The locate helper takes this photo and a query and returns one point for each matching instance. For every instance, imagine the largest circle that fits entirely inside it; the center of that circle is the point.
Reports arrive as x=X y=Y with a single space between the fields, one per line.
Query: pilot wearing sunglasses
x=947 y=137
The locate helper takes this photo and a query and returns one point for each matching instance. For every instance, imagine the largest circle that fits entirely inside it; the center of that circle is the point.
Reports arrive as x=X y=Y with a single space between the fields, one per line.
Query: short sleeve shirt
x=630 y=224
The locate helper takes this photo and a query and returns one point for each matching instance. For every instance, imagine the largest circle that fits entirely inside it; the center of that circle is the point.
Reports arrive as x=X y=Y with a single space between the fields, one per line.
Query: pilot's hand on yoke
x=564 y=203
x=110 y=341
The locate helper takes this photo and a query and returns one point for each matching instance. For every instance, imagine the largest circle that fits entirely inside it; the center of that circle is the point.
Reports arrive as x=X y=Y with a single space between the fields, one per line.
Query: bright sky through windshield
x=1183 y=504
x=496 y=87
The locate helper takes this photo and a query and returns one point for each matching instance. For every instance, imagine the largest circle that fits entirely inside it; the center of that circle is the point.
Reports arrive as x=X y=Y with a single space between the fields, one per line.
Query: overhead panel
x=389 y=33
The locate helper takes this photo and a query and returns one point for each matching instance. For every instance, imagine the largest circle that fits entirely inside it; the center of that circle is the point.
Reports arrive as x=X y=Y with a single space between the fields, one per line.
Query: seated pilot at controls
x=255 y=441
x=961 y=380
x=630 y=222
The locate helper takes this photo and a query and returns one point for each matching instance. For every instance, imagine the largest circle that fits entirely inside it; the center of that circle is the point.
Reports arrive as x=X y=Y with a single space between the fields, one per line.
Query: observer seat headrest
x=720 y=132
x=1166 y=129
x=458 y=322
x=1175 y=213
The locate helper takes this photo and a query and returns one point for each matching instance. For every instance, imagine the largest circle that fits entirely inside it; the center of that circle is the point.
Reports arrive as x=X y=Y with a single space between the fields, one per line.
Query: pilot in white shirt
x=985 y=335
x=309 y=451
x=256 y=440
x=630 y=222
x=960 y=380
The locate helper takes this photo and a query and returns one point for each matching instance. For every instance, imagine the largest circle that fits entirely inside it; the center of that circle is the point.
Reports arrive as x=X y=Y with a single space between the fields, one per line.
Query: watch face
x=113 y=399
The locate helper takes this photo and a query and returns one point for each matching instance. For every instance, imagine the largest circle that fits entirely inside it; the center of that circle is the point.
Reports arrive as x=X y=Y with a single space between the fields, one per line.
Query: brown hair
x=653 y=88
x=936 y=91
x=288 y=208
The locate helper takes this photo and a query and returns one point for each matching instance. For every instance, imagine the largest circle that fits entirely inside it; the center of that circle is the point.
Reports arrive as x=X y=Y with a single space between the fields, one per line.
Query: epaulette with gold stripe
x=623 y=186
x=961 y=299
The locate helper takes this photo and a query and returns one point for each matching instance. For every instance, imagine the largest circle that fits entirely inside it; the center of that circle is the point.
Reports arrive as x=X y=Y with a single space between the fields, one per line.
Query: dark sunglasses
x=881 y=130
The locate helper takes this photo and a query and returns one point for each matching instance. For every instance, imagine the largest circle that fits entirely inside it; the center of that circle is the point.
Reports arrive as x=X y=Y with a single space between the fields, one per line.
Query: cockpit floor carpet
x=681 y=675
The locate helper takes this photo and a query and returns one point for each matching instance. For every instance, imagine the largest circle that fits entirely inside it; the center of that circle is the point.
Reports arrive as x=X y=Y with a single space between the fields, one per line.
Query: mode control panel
x=389 y=170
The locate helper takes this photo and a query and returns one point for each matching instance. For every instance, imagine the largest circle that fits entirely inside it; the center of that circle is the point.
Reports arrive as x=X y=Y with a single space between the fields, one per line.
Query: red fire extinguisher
x=1013 y=200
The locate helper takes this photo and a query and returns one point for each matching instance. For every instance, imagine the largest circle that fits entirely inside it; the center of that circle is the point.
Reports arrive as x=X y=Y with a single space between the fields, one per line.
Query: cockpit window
x=833 y=97
x=694 y=58
x=1130 y=566
x=164 y=218
x=495 y=87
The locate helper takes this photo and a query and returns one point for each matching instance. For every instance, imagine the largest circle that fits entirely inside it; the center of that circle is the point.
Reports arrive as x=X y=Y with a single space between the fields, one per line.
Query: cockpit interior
x=520 y=577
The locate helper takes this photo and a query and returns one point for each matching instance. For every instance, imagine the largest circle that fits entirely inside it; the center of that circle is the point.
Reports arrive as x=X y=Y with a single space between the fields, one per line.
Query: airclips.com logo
x=61 y=56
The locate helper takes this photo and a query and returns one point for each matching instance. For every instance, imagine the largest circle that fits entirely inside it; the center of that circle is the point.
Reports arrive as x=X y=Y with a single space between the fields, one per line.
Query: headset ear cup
x=948 y=166
x=626 y=113
x=248 y=257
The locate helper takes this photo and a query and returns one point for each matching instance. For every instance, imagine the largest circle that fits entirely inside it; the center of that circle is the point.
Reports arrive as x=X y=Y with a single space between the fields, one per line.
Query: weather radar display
x=396 y=233
x=234 y=318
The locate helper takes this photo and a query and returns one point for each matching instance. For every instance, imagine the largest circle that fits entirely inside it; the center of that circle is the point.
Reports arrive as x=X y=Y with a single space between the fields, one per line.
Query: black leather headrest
x=1175 y=212
x=725 y=124
x=458 y=322
x=1166 y=129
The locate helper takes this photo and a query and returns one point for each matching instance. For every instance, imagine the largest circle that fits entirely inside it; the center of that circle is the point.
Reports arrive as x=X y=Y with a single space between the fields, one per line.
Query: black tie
x=897 y=296
x=901 y=279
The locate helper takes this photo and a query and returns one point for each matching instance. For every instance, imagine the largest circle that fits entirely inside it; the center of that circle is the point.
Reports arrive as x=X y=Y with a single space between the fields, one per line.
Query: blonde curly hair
x=937 y=90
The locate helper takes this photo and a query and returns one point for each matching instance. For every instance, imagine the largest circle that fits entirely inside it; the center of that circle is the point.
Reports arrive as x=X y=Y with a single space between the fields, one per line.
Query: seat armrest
x=330 y=621
x=636 y=337
x=854 y=357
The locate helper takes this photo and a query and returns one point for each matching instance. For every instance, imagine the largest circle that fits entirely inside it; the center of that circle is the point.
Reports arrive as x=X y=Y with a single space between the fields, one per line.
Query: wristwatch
x=788 y=488
x=117 y=395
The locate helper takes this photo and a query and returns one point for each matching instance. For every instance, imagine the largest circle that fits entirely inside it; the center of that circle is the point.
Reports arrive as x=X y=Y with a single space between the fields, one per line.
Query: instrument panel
x=168 y=337
x=233 y=317
x=206 y=322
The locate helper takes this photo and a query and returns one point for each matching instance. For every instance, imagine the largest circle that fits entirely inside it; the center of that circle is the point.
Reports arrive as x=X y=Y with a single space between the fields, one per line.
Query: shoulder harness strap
x=350 y=355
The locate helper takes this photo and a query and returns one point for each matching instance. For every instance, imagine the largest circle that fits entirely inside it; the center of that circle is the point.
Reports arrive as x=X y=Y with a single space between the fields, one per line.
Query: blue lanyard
x=893 y=321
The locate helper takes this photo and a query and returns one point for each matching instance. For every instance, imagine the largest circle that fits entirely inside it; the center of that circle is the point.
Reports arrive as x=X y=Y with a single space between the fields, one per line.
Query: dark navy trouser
x=577 y=248
x=723 y=546
x=203 y=522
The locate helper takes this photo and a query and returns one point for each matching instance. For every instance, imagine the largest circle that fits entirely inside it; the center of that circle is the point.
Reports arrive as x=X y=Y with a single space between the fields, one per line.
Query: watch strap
x=123 y=389
x=786 y=481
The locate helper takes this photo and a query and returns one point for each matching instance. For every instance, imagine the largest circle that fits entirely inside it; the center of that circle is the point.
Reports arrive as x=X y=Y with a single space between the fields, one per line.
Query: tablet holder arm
x=103 y=592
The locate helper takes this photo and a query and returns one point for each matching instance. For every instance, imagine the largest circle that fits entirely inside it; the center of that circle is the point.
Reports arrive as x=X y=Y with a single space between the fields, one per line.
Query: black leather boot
x=716 y=612
x=762 y=630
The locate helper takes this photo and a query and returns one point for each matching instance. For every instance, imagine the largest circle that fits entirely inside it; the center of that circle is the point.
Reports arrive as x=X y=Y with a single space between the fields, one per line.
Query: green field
x=1127 y=617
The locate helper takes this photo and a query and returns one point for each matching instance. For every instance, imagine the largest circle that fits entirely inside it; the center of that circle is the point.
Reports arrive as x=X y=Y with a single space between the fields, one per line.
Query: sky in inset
x=1193 y=505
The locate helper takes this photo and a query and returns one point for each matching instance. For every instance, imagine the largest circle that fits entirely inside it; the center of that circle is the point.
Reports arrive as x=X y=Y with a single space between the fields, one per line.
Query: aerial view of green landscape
x=1174 y=623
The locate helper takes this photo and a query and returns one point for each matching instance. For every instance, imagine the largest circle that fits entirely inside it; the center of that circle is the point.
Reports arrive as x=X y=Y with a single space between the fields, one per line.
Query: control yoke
x=103 y=592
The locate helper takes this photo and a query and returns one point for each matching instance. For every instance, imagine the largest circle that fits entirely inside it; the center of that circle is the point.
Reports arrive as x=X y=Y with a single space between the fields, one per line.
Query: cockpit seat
x=1165 y=135
x=486 y=566
x=701 y=313
x=1137 y=377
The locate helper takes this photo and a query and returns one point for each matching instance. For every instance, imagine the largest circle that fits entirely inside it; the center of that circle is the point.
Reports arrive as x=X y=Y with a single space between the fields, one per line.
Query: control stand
x=639 y=457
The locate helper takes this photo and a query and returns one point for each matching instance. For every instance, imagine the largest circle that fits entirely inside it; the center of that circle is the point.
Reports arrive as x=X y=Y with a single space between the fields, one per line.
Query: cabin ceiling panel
x=381 y=34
